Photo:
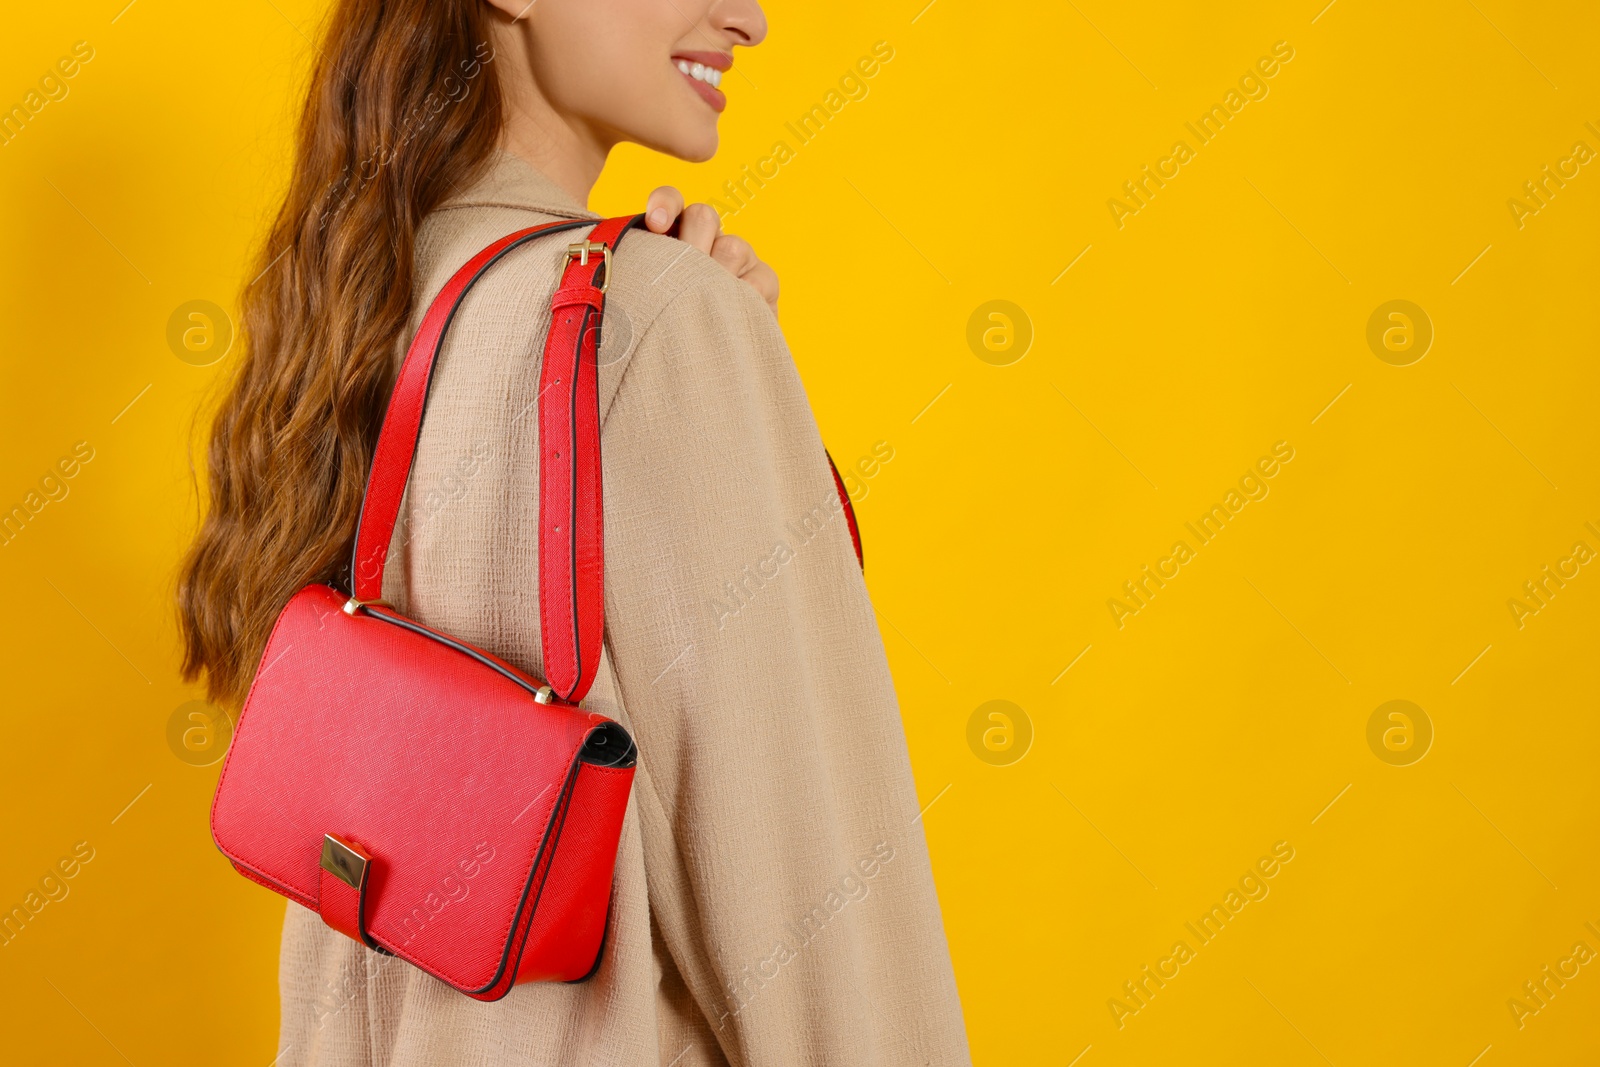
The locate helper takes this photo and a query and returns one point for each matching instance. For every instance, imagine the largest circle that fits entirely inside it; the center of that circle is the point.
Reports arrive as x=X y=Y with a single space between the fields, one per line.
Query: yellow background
x=1223 y=317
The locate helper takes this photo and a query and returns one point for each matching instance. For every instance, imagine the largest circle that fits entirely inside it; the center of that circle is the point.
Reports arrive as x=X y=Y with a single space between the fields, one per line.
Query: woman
x=773 y=902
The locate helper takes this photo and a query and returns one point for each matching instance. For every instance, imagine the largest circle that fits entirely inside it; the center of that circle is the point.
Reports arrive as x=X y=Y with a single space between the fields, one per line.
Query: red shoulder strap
x=571 y=520
x=571 y=551
x=849 y=509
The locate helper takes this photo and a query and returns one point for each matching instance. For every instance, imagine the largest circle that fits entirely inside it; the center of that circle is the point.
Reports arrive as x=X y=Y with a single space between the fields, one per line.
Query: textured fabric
x=773 y=902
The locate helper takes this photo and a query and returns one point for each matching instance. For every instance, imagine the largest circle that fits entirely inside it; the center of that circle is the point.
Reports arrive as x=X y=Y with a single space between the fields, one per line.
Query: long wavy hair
x=402 y=107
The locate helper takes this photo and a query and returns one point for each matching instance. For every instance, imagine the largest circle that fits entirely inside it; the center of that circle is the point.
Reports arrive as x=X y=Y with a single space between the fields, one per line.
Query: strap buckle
x=581 y=250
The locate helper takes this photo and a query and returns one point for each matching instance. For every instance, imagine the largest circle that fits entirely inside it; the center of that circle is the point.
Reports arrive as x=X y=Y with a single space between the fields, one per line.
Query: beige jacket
x=773 y=901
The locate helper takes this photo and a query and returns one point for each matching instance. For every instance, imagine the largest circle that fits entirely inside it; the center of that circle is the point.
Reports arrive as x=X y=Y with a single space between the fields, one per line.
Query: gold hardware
x=344 y=862
x=545 y=695
x=582 y=249
x=353 y=605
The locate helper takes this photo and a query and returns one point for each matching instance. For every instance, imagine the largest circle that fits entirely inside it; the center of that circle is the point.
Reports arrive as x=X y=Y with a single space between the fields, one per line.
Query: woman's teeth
x=701 y=73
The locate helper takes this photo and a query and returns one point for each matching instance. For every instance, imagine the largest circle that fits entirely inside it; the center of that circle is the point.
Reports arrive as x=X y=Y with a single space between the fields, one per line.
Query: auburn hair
x=402 y=107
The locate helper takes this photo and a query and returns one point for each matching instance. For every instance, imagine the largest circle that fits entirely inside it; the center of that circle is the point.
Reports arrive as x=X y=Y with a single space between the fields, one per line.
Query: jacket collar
x=512 y=182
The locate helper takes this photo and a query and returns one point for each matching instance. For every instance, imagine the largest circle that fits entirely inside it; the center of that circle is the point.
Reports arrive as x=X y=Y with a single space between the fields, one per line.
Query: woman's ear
x=511 y=9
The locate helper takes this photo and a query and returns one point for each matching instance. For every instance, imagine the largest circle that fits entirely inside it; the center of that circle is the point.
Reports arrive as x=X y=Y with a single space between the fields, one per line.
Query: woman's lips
x=703 y=62
x=714 y=97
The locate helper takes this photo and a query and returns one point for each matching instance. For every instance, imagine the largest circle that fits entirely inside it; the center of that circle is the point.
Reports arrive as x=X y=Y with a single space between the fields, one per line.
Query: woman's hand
x=702 y=228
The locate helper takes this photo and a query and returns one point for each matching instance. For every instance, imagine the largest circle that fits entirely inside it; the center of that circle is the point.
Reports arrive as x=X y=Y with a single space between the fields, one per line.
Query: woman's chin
x=691 y=139
x=692 y=147
x=702 y=151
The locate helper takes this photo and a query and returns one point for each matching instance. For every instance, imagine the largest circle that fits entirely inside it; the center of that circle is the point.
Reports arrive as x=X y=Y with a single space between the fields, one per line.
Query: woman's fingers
x=662 y=209
x=740 y=260
x=701 y=226
x=734 y=253
x=765 y=281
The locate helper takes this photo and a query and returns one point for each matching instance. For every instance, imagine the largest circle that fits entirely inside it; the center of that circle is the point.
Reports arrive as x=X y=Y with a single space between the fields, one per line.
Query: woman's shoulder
x=673 y=286
x=449 y=238
x=652 y=270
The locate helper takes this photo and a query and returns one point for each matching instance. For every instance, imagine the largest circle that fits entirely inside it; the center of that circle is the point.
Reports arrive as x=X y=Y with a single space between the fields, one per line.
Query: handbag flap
x=361 y=728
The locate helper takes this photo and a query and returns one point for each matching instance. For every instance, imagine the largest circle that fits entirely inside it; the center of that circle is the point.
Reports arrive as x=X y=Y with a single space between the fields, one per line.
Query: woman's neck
x=563 y=148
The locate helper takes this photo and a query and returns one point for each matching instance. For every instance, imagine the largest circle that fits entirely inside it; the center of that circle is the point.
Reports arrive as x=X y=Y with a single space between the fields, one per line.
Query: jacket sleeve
x=787 y=870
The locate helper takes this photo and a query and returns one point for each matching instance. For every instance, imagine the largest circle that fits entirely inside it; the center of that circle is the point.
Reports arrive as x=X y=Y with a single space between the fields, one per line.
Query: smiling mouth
x=703 y=72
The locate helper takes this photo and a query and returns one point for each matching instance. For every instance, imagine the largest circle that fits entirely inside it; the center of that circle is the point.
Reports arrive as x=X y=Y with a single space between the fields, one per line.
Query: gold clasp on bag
x=343 y=862
x=580 y=251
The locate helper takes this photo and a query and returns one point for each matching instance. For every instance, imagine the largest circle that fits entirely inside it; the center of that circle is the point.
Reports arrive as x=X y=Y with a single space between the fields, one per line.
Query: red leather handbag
x=426 y=798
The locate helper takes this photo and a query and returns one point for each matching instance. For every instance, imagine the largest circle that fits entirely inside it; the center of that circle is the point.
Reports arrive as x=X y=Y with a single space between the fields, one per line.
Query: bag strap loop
x=571 y=550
